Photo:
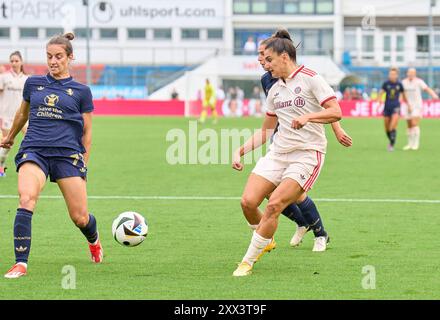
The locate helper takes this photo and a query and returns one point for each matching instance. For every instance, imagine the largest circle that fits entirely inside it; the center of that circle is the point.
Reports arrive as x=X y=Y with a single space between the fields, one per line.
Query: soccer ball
x=130 y=229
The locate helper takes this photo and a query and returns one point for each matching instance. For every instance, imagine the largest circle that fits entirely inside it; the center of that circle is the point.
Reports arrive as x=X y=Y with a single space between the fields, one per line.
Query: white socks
x=414 y=137
x=258 y=243
x=3 y=155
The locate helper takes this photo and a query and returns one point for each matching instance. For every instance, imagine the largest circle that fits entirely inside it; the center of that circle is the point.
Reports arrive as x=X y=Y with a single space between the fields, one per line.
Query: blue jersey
x=56 y=108
x=267 y=81
x=393 y=90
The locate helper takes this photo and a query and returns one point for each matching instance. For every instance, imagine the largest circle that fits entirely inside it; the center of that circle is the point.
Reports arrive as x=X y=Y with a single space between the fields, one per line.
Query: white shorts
x=6 y=123
x=416 y=112
x=303 y=166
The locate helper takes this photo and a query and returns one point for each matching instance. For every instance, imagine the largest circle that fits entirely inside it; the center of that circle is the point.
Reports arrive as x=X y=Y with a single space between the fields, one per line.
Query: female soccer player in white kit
x=413 y=87
x=11 y=85
x=301 y=102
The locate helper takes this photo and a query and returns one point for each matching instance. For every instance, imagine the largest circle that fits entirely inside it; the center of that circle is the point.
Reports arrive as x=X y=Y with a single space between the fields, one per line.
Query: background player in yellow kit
x=209 y=101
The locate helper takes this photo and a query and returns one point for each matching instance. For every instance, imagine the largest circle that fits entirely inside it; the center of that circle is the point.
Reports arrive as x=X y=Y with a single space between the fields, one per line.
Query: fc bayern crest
x=299 y=102
x=297 y=90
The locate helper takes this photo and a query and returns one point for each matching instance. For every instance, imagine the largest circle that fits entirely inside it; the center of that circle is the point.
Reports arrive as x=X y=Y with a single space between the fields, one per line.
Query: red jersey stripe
x=296 y=72
x=328 y=99
x=308 y=73
x=309 y=70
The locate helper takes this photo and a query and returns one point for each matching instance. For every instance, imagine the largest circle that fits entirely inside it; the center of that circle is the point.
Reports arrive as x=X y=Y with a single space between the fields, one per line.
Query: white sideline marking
x=229 y=198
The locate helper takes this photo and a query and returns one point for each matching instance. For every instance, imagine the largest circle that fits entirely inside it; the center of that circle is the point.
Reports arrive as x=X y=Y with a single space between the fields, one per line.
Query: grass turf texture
x=193 y=245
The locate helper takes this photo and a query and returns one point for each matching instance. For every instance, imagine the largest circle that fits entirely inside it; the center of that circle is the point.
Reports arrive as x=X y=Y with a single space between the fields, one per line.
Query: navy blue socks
x=392 y=135
x=22 y=235
x=294 y=213
x=90 y=230
x=311 y=215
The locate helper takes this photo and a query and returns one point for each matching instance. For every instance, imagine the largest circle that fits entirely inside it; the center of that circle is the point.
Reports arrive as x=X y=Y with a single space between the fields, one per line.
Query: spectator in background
x=338 y=93
x=240 y=93
x=373 y=94
x=250 y=47
x=347 y=94
x=232 y=106
x=2 y=69
x=174 y=94
x=355 y=94
x=256 y=102
x=220 y=93
x=365 y=95
x=232 y=94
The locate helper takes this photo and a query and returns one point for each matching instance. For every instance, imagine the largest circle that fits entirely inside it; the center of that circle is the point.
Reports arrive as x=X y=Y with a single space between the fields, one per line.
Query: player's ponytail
x=18 y=54
x=64 y=40
x=282 y=34
x=281 y=42
x=69 y=36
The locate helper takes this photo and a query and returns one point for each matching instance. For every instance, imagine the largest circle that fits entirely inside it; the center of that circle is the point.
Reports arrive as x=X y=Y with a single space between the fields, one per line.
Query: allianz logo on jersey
x=283 y=104
x=51 y=100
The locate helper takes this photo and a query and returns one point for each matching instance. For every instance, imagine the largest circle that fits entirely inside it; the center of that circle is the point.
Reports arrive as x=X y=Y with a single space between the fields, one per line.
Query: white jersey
x=304 y=92
x=413 y=91
x=12 y=85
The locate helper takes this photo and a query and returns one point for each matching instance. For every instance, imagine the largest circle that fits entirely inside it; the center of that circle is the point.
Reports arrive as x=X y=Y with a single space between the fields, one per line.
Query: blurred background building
x=149 y=48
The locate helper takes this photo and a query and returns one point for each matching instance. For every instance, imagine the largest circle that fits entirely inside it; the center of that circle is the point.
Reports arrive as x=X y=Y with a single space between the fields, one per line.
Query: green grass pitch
x=193 y=246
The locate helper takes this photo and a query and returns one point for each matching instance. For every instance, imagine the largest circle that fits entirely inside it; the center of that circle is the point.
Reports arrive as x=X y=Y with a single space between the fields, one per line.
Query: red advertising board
x=362 y=109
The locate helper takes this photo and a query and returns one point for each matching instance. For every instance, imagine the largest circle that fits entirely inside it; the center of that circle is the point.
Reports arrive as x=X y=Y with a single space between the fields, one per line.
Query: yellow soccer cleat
x=271 y=246
x=243 y=269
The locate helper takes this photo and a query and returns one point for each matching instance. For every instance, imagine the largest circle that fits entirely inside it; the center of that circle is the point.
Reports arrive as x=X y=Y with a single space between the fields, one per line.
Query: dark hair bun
x=282 y=34
x=69 y=36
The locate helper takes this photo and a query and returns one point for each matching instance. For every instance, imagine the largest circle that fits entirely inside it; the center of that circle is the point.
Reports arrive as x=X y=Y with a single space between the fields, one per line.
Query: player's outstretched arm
x=331 y=113
x=341 y=135
x=431 y=93
x=258 y=139
x=87 y=135
x=20 y=119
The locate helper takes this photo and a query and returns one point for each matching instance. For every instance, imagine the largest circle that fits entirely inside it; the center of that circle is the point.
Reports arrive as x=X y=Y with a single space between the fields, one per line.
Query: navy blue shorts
x=57 y=163
x=389 y=111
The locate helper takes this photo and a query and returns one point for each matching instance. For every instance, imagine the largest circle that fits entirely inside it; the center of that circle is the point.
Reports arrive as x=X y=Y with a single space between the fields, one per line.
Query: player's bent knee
x=274 y=207
x=248 y=204
x=28 y=201
x=81 y=220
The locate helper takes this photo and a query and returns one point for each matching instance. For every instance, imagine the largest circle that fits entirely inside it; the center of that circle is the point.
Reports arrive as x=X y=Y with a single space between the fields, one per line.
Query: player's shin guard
x=22 y=235
x=294 y=213
x=258 y=243
x=311 y=215
x=90 y=231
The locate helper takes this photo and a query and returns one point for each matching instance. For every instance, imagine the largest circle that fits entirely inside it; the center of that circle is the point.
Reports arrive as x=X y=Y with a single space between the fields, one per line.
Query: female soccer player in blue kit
x=57 y=144
x=391 y=112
